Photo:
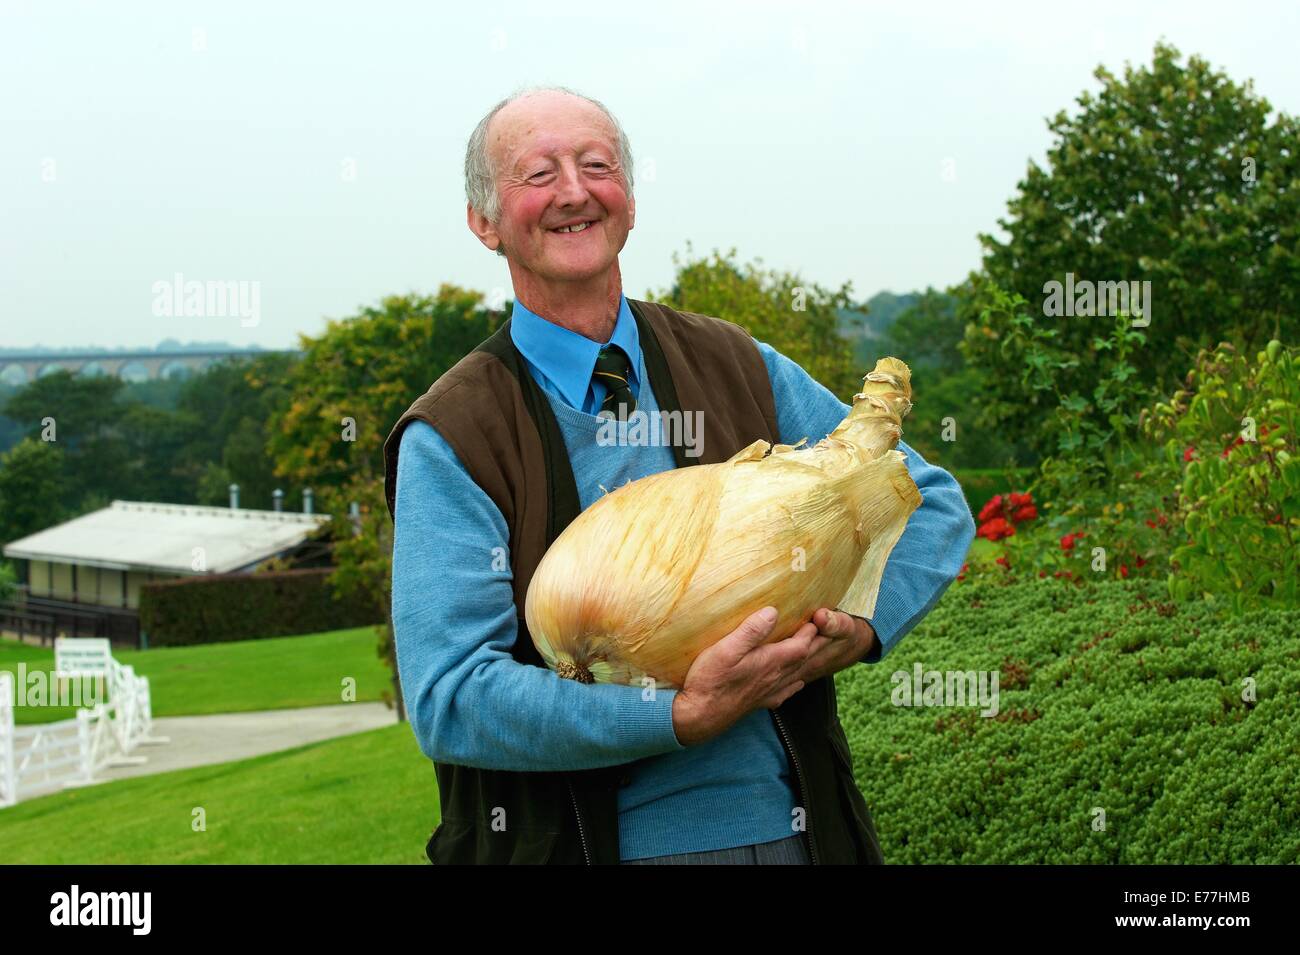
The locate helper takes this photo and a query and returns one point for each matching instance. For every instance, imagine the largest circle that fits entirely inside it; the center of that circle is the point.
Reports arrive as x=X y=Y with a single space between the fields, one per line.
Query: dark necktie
x=613 y=370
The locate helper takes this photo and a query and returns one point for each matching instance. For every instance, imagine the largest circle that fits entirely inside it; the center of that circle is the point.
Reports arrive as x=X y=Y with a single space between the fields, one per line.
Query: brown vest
x=503 y=430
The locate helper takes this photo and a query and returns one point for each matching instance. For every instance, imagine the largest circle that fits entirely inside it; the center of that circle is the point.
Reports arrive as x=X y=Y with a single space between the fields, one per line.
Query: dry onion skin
x=660 y=569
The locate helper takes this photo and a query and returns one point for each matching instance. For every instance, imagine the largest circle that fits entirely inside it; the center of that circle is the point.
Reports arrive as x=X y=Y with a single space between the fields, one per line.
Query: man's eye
x=600 y=164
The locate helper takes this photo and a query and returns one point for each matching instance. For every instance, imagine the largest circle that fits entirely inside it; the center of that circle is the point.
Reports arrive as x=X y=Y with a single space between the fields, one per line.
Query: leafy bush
x=1076 y=401
x=1203 y=492
x=1118 y=529
x=1233 y=433
x=248 y=606
x=1111 y=698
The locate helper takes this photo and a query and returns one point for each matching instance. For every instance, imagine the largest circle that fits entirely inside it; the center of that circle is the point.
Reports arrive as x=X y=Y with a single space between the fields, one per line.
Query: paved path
x=220 y=738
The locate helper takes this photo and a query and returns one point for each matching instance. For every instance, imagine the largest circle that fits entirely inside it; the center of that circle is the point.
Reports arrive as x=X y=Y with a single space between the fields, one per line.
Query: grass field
x=1111 y=697
x=274 y=673
x=366 y=798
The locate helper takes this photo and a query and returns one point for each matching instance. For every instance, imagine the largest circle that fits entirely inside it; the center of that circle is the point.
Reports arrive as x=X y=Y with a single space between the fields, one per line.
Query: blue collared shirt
x=562 y=362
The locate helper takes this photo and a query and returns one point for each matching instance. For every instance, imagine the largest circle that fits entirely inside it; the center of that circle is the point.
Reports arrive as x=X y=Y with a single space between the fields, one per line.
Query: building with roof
x=83 y=576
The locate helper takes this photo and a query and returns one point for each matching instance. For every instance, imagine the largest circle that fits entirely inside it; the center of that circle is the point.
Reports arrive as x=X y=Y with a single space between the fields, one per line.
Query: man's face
x=557 y=164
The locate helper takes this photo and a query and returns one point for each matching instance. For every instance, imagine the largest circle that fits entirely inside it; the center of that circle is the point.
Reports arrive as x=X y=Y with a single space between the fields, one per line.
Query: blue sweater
x=470 y=703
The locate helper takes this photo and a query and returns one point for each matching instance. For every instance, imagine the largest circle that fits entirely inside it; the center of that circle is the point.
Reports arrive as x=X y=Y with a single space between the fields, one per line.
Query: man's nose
x=570 y=190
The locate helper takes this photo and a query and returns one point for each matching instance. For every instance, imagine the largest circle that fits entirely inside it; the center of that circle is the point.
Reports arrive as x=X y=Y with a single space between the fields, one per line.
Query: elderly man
x=747 y=762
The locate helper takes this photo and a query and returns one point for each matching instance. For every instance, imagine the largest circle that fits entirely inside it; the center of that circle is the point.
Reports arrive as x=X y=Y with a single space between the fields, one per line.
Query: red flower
x=1026 y=512
x=1064 y=573
x=1187 y=454
x=1141 y=562
x=1137 y=475
x=1004 y=562
x=1240 y=440
x=962 y=575
x=996 y=529
x=1019 y=500
x=1123 y=570
x=1150 y=523
x=1042 y=573
x=1067 y=542
x=991 y=509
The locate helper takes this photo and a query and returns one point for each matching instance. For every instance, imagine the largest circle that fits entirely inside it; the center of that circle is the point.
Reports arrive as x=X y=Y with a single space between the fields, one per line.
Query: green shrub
x=1232 y=433
x=1111 y=697
x=1202 y=491
x=248 y=606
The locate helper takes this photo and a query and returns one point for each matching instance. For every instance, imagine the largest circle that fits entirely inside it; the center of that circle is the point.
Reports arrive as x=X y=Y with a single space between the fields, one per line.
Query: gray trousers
x=789 y=851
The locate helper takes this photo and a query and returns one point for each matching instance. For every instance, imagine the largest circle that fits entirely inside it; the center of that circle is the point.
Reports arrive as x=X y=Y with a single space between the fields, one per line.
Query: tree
x=1171 y=175
x=352 y=384
x=797 y=318
x=31 y=478
x=154 y=441
x=83 y=415
x=229 y=410
x=943 y=424
x=926 y=334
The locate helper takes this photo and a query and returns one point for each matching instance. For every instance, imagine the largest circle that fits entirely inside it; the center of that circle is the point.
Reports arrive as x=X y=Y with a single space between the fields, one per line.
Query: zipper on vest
x=803 y=791
x=582 y=833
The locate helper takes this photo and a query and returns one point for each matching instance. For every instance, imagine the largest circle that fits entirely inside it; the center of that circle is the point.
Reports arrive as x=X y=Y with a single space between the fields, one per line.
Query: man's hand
x=742 y=673
x=851 y=639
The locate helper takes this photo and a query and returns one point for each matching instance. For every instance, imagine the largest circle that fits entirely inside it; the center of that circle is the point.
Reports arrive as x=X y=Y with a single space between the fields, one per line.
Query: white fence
x=50 y=756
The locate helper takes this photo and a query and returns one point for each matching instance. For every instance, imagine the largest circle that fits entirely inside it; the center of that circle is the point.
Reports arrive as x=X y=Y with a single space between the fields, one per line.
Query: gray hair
x=480 y=172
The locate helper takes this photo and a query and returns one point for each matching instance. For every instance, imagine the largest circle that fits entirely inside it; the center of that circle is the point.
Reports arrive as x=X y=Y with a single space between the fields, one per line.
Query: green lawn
x=366 y=798
x=268 y=674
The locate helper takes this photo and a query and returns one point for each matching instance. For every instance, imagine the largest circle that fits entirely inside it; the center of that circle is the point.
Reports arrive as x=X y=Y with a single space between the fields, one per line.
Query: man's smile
x=571 y=229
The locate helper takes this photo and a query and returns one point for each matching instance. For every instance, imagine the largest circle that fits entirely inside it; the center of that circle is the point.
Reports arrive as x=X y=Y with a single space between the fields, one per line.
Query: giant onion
x=656 y=571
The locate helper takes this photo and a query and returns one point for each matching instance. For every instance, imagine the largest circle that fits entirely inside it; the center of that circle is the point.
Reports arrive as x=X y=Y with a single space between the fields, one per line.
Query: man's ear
x=631 y=213
x=483 y=228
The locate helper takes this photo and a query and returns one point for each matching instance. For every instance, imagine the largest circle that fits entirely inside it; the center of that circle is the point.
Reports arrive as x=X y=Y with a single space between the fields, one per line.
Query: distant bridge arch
x=14 y=375
x=176 y=369
x=19 y=369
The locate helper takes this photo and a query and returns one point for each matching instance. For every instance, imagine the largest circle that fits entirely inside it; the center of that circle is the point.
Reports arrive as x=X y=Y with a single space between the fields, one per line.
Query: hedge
x=231 y=607
x=1111 y=698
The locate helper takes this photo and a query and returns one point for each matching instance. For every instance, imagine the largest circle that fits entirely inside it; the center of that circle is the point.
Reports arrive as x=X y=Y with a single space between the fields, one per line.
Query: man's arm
x=454 y=622
x=933 y=546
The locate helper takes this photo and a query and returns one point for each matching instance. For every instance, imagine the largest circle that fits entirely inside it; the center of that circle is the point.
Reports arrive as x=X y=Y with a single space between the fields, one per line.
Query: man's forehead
x=536 y=126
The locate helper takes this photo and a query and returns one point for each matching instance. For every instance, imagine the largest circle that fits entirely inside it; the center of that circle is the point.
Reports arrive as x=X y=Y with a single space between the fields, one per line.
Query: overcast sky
x=316 y=149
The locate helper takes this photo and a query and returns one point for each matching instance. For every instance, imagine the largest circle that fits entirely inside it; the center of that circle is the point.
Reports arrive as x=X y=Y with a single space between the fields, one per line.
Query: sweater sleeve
x=454 y=621
x=933 y=546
